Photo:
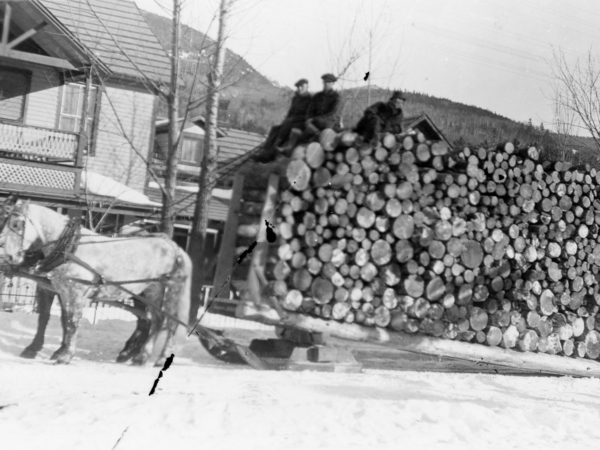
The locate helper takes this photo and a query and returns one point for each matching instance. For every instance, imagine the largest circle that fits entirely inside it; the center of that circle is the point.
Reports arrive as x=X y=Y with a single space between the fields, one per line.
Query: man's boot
x=264 y=155
x=291 y=142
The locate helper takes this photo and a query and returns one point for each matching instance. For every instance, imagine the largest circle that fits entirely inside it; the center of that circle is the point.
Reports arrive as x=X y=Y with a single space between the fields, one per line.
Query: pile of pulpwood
x=481 y=245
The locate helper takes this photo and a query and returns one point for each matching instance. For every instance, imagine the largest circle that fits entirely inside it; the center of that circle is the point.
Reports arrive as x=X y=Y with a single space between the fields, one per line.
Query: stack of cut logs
x=486 y=245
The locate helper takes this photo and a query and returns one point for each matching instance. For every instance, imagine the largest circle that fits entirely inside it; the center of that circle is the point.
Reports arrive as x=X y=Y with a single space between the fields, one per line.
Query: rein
x=99 y=280
x=63 y=252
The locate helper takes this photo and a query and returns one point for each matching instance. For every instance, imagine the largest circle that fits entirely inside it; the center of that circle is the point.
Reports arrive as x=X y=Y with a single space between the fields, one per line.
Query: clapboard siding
x=125 y=116
x=43 y=99
x=114 y=156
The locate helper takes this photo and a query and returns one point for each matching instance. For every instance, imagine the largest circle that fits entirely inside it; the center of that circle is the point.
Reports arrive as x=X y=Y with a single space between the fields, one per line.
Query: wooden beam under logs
x=527 y=361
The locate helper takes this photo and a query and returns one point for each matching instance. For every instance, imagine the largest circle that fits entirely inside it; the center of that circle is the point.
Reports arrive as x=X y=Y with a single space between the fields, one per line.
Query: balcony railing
x=40 y=178
x=37 y=143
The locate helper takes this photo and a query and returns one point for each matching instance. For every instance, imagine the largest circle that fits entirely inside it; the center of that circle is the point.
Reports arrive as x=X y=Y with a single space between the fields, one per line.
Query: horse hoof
x=123 y=357
x=28 y=353
x=139 y=360
x=63 y=360
x=61 y=356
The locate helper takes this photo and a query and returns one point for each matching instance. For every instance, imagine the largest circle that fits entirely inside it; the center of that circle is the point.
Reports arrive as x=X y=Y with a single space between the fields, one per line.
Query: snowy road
x=201 y=403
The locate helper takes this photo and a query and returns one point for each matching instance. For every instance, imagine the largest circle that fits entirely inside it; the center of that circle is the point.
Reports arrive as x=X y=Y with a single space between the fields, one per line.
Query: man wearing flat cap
x=382 y=117
x=323 y=110
x=295 y=119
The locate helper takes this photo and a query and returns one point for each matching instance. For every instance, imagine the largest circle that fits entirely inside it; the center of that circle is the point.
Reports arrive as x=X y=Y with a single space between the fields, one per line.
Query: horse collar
x=65 y=244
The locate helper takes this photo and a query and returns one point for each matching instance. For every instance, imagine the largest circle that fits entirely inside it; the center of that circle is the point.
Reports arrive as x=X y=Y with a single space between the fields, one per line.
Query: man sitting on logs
x=382 y=117
x=322 y=113
x=293 y=123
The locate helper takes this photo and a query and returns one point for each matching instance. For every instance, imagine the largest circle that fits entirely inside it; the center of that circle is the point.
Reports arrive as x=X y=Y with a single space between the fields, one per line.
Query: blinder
x=13 y=221
x=16 y=223
x=6 y=209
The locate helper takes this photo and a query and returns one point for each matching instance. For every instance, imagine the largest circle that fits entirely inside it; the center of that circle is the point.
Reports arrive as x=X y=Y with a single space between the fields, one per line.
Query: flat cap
x=300 y=82
x=329 y=78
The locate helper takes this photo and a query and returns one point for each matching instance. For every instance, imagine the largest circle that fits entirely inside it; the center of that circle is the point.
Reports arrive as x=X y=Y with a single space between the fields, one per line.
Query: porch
x=31 y=143
x=38 y=160
x=36 y=56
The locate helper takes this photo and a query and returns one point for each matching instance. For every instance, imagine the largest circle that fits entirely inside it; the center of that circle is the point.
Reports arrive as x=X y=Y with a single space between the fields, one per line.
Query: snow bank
x=98 y=184
x=202 y=403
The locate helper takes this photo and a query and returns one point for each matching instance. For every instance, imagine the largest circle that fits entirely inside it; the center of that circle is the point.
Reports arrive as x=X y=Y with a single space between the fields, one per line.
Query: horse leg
x=168 y=331
x=145 y=351
x=177 y=302
x=44 y=301
x=72 y=300
x=153 y=294
x=140 y=335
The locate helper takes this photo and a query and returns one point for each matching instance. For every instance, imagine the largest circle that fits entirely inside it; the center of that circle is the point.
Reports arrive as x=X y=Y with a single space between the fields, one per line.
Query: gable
x=425 y=125
x=116 y=33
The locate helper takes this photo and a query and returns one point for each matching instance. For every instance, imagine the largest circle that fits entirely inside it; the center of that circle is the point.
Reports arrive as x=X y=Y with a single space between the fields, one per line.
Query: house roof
x=115 y=32
x=232 y=143
x=185 y=203
x=162 y=126
x=425 y=125
x=103 y=186
x=237 y=143
x=89 y=202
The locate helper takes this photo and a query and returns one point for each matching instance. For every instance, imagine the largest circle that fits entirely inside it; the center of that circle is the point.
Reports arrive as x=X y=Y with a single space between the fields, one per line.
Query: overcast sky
x=495 y=54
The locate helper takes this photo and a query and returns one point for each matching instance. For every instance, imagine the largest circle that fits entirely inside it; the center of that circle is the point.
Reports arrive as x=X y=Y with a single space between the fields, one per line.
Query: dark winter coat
x=323 y=108
x=380 y=117
x=299 y=108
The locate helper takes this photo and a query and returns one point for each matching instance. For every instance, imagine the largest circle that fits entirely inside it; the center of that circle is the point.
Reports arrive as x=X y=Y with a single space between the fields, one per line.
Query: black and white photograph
x=299 y=225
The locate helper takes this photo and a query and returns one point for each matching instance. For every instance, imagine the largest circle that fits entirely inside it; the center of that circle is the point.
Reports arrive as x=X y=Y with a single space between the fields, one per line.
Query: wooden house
x=232 y=144
x=78 y=94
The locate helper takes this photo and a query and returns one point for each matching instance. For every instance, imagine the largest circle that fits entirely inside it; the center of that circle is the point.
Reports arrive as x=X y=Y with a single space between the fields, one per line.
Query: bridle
x=64 y=249
x=16 y=227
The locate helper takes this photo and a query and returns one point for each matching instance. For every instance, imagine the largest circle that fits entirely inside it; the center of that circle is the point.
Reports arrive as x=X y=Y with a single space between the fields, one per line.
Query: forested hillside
x=252 y=102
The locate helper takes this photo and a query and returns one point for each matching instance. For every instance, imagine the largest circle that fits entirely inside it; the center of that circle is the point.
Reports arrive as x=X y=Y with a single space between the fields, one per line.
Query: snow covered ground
x=204 y=404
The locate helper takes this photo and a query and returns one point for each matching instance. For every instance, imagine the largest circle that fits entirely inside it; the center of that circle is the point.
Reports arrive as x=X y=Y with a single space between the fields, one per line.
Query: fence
x=17 y=294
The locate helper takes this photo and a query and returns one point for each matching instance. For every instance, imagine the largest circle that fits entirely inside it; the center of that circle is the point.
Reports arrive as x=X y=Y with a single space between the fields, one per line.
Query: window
x=191 y=151
x=69 y=118
x=14 y=86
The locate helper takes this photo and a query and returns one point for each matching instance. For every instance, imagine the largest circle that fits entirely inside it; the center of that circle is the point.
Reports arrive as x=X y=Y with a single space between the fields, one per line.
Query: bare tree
x=564 y=123
x=579 y=92
x=170 y=94
x=208 y=164
x=355 y=57
x=168 y=194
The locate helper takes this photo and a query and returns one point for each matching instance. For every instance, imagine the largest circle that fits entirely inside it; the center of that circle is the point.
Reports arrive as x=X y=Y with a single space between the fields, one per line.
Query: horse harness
x=64 y=247
x=64 y=251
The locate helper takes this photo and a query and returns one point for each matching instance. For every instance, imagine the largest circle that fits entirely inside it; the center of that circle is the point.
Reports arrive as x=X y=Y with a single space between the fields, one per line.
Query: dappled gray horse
x=134 y=345
x=152 y=267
